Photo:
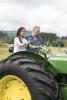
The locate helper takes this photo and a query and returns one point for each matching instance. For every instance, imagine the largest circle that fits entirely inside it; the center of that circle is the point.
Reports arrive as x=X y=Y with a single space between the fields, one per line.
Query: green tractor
x=30 y=76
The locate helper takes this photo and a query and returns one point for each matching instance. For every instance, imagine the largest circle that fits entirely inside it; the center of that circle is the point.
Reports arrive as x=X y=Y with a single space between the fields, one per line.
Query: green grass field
x=4 y=53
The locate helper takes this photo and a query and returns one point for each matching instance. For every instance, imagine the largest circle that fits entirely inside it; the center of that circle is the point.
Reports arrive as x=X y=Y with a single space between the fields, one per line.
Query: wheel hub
x=13 y=88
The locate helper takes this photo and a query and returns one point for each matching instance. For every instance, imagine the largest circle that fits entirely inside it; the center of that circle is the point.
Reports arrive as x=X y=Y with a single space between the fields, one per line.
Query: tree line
x=49 y=39
x=5 y=38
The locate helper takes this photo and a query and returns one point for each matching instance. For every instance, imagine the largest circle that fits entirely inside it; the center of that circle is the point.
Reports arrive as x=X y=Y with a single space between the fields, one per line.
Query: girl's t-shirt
x=16 y=47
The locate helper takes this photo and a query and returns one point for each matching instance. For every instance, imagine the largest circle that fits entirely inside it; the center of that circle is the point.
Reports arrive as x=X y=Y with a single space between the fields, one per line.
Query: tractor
x=27 y=75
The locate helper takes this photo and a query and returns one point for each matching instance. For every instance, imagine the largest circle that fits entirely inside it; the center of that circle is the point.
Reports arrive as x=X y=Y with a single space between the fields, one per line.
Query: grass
x=57 y=49
x=4 y=53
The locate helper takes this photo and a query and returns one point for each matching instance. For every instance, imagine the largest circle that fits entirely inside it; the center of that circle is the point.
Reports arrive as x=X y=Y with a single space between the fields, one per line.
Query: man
x=35 y=40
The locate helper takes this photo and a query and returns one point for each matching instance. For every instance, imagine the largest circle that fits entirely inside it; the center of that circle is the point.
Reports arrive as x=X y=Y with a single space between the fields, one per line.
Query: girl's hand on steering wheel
x=28 y=43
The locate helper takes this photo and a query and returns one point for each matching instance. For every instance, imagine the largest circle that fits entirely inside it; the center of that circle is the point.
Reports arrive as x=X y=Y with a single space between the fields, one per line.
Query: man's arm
x=31 y=46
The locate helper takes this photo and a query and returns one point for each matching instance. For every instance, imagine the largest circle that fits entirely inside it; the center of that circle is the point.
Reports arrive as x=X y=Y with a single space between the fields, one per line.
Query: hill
x=13 y=33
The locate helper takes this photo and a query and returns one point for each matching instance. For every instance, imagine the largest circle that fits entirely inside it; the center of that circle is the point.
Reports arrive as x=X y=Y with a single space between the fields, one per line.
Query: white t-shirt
x=16 y=47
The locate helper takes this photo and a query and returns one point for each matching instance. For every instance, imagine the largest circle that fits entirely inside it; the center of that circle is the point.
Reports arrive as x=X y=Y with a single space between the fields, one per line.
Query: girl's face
x=23 y=32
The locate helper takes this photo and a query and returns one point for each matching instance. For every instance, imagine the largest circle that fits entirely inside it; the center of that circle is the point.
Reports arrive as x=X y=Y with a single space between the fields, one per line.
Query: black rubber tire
x=38 y=80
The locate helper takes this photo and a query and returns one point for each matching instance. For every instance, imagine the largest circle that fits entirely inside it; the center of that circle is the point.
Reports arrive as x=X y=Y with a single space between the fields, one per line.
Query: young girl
x=20 y=42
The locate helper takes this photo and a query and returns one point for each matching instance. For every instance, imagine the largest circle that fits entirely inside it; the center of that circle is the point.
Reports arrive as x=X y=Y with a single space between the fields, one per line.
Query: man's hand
x=39 y=46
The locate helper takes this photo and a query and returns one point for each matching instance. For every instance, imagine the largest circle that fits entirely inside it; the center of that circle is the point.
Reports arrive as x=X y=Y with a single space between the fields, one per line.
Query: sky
x=50 y=15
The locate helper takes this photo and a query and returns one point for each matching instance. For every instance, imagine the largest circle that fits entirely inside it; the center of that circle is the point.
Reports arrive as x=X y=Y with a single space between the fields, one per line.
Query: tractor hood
x=59 y=61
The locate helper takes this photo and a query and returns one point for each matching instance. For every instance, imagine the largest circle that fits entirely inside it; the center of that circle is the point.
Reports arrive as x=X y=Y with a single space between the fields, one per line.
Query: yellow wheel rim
x=13 y=88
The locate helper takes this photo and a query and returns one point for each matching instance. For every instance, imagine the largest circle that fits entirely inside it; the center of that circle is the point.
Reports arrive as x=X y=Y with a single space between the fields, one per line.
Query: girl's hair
x=19 y=31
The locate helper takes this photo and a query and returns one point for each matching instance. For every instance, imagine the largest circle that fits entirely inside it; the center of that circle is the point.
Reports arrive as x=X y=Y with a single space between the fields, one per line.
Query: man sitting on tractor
x=35 y=40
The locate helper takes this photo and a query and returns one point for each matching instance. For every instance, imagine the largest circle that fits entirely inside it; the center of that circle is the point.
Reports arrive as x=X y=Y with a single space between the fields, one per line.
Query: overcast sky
x=50 y=15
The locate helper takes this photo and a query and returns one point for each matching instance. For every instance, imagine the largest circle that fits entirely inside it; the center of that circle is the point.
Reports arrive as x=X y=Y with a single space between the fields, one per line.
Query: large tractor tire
x=22 y=78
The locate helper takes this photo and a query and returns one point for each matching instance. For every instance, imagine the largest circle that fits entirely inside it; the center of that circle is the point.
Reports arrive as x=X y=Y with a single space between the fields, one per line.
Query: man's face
x=36 y=31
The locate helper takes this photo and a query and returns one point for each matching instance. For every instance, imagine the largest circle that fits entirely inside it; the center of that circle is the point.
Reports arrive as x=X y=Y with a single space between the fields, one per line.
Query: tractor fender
x=39 y=59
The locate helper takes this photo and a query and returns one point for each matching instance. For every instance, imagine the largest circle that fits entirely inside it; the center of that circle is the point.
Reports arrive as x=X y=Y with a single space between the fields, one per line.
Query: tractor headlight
x=48 y=54
x=66 y=50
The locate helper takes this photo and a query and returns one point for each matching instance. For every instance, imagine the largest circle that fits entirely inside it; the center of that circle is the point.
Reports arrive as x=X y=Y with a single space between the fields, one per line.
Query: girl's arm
x=21 y=44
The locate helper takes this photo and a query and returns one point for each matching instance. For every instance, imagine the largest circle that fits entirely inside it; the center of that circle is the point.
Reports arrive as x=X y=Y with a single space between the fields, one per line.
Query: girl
x=20 y=42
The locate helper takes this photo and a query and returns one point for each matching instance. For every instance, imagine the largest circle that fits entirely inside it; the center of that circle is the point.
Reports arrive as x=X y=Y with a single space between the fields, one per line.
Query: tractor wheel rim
x=13 y=88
